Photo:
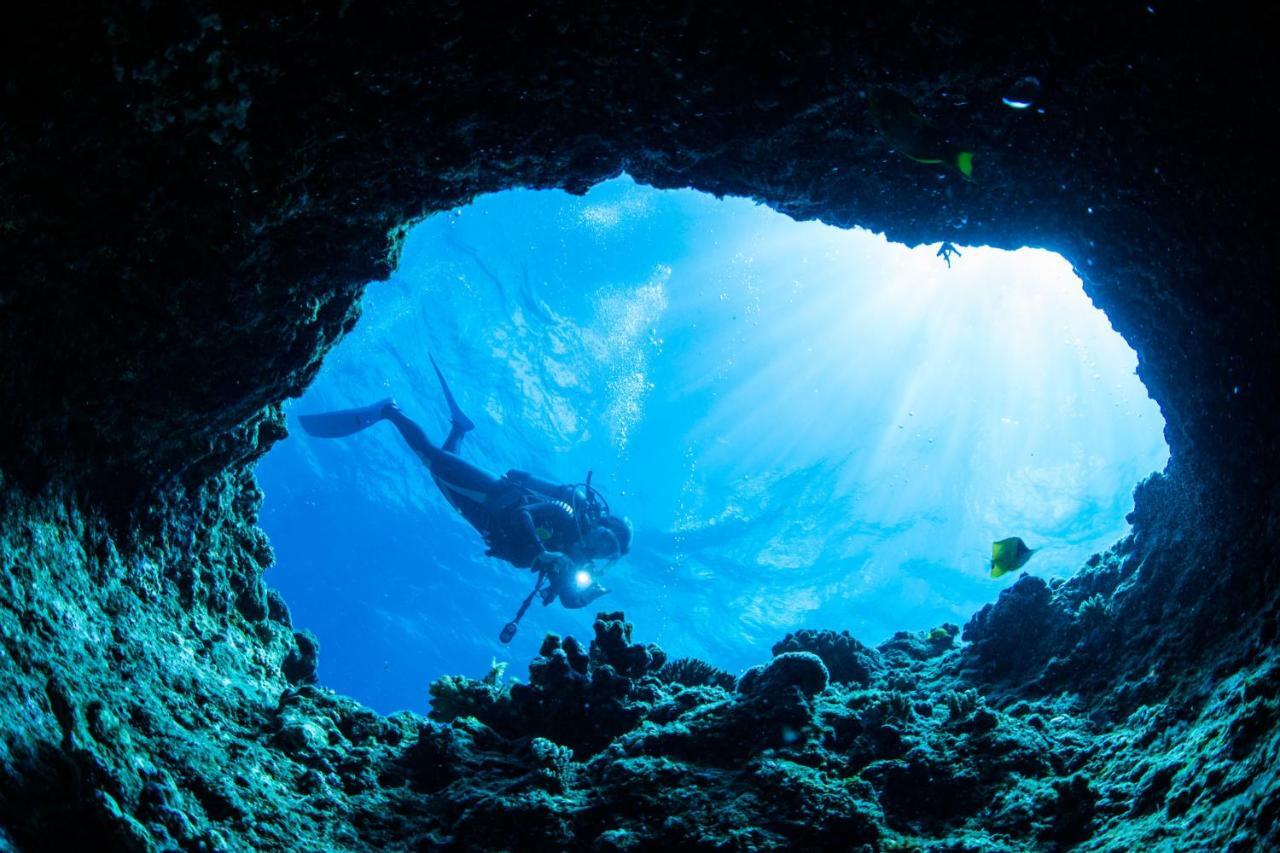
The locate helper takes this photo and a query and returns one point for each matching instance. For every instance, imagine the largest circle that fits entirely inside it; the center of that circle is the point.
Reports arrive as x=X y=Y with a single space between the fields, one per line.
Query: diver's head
x=608 y=540
x=599 y=544
x=620 y=528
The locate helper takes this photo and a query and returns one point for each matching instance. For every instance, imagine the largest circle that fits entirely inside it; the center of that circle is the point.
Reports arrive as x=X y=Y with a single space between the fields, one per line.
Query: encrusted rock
x=303 y=660
x=847 y=660
x=803 y=670
x=1006 y=636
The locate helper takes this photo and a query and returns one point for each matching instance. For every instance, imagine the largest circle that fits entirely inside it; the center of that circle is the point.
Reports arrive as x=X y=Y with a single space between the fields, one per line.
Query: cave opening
x=807 y=426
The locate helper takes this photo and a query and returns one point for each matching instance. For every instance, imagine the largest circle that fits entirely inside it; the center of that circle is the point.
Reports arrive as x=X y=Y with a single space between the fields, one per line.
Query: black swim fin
x=344 y=422
x=456 y=417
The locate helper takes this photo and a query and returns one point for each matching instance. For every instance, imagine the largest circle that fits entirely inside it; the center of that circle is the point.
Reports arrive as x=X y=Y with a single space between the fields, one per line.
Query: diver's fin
x=456 y=417
x=344 y=422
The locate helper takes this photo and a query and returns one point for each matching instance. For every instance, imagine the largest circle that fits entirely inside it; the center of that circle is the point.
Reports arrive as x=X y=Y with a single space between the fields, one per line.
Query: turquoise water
x=808 y=427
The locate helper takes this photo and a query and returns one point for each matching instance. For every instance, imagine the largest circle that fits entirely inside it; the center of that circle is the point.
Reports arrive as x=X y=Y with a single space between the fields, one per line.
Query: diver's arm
x=531 y=531
x=530 y=527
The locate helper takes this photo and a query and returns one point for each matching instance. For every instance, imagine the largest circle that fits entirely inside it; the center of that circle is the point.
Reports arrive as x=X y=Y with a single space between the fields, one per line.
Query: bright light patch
x=583 y=579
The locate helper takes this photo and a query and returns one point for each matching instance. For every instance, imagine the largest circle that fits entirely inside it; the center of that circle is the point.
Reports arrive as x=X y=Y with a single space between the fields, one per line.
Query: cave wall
x=232 y=180
x=193 y=195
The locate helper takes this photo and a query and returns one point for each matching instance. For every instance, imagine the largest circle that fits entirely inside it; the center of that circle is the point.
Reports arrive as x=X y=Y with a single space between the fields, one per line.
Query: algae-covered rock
x=802 y=670
x=1006 y=637
x=300 y=665
x=847 y=660
x=612 y=646
x=575 y=698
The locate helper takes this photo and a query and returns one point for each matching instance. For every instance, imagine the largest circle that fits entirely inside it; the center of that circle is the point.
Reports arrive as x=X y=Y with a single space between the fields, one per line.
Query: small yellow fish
x=911 y=135
x=1009 y=555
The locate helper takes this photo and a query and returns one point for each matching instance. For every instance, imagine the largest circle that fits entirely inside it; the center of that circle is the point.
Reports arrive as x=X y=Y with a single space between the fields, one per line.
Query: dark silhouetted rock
x=1008 y=638
x=303 y=659
x=847 y=660
x=802 y=670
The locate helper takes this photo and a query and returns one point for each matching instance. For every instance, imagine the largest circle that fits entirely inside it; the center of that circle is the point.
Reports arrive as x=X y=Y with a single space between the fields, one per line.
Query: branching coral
x=961 y=703
x=1093 y=612
x=692 y=672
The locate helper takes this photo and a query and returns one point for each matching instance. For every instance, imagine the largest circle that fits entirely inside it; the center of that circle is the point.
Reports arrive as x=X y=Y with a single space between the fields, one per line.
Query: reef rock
x=803 y=671
x=847 y=661
x=1006 y=637
x=581 y=700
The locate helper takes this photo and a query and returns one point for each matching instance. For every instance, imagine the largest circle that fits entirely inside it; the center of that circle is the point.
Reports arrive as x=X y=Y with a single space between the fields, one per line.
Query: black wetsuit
x=528 y=517
x=520 y=516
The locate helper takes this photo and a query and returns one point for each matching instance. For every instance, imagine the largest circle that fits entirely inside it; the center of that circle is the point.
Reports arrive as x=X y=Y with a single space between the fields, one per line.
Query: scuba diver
x=559 y=531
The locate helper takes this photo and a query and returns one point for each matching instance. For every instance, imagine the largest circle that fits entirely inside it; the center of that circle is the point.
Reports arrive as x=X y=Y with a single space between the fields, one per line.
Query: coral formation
x=804 y=758
x=691 y=672
x=192 y=197
x=847 y=661
x=581 y=700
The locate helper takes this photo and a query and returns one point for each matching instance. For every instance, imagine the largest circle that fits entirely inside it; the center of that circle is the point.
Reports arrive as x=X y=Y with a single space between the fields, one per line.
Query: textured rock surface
x=191 y=198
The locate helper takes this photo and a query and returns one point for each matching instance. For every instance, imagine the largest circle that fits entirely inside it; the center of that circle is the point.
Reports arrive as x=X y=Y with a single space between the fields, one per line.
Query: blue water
x=808 y=427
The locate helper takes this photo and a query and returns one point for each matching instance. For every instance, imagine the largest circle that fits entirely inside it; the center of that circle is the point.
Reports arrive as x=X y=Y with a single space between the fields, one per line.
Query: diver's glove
x=553 y=564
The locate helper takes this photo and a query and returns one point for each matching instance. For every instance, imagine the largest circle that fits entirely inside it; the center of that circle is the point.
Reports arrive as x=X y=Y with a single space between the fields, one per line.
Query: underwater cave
x=193 y=199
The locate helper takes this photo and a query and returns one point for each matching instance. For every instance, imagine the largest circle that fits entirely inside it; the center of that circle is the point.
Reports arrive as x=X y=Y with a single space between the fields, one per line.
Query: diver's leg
x=413 y=434
x=455 y=472
x=448 y=469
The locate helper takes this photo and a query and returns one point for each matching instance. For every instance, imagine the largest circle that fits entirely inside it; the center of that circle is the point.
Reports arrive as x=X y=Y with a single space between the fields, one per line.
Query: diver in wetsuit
x=558 y=531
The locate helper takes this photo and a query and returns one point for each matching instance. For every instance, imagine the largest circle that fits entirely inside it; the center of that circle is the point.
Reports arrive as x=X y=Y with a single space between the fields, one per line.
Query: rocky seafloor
x=172 y=714
x=194 y=194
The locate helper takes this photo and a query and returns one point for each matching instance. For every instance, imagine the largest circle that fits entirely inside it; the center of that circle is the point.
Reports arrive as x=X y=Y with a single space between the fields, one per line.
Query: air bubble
x=1022 y=94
